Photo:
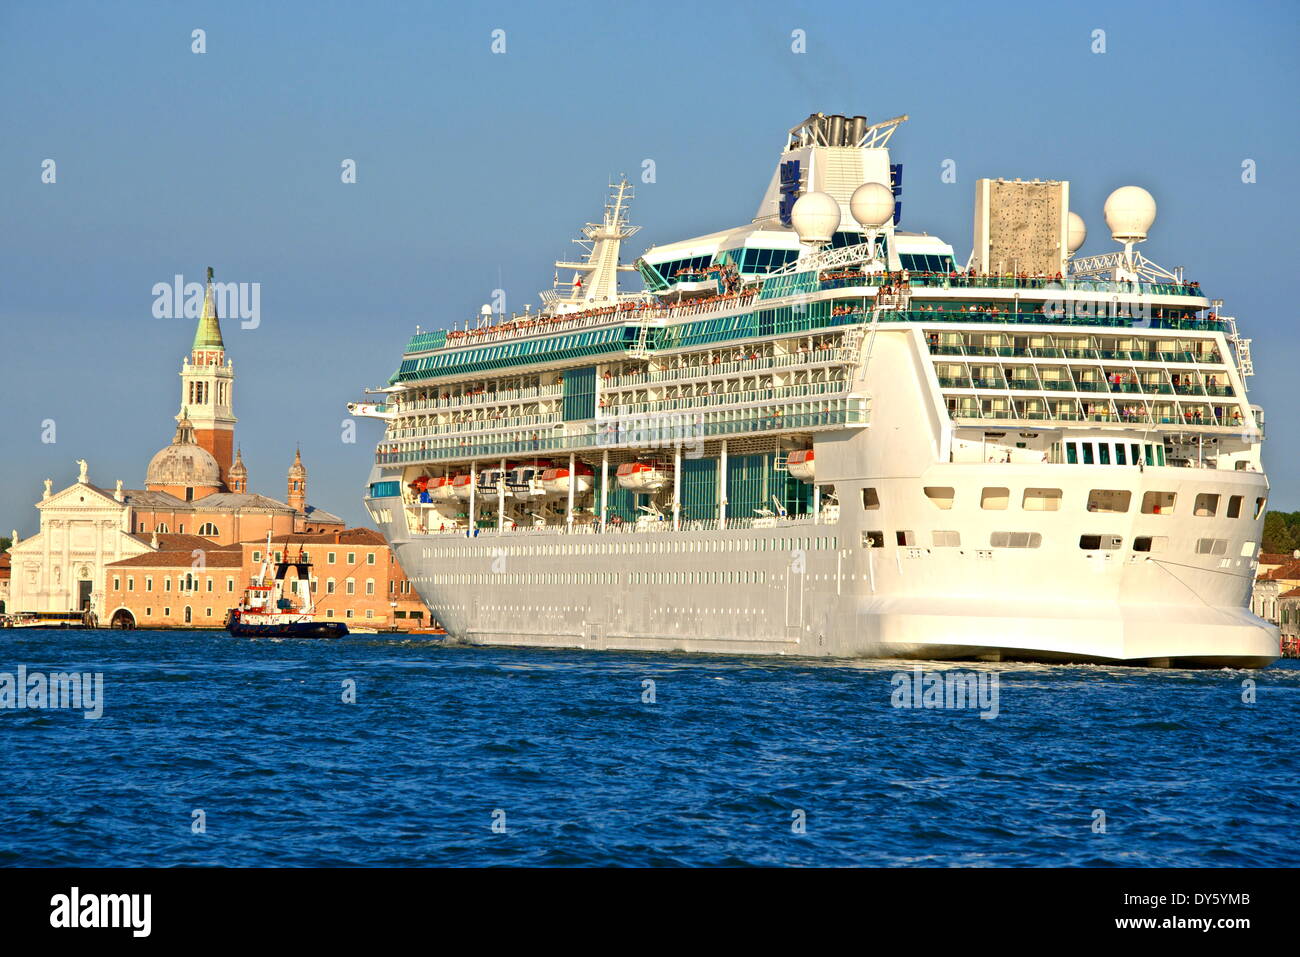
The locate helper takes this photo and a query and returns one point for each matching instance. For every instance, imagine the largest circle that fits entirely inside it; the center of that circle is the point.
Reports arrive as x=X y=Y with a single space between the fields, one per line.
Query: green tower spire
x=208 y=334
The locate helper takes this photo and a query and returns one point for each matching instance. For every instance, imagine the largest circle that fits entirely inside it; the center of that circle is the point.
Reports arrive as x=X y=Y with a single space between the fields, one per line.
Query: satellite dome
x=1076 y=232
x=1130 y=211
x=815 y=218
x=872 y=205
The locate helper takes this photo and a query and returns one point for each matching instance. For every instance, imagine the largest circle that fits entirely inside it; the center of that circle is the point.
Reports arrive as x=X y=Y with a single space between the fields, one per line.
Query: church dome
x=184 y=463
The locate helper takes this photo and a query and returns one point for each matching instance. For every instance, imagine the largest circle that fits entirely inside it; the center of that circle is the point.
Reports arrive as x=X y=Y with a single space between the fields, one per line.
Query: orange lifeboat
x=462 y=486
x=556 y=481
x=647 y=476
x=800 y=464
x=440 y=489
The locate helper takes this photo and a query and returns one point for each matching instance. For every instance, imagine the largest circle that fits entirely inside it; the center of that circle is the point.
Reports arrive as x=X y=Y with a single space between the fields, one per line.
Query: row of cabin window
x=1087 y=542
x=995 y=498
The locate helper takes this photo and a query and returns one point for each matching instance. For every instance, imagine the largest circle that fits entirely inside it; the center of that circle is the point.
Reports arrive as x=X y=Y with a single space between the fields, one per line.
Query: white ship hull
x=806 y=588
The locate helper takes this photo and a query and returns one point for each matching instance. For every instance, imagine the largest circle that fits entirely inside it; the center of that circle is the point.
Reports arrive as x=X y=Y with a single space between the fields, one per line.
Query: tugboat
x=266 y=611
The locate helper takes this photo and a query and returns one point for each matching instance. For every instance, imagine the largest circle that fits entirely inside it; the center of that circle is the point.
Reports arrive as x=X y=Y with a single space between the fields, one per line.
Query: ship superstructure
x=820 y=434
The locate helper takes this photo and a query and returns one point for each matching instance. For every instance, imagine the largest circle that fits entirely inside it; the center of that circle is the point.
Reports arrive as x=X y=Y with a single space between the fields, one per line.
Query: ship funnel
x=854 y=131
x=835 y=130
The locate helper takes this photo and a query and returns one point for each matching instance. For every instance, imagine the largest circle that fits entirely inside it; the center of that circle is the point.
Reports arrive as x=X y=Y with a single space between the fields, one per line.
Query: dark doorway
x=84 y=588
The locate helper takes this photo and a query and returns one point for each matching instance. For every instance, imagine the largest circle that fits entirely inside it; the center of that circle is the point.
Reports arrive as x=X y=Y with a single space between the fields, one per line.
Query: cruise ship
x=820 y=434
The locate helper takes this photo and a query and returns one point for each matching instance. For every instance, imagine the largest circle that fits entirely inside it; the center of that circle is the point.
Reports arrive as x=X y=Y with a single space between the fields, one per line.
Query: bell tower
x=237 y=480
x=297 y=498
x=207 y=387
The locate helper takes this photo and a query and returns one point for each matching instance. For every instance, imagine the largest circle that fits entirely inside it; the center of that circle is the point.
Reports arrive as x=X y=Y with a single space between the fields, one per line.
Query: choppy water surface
x=443 y=740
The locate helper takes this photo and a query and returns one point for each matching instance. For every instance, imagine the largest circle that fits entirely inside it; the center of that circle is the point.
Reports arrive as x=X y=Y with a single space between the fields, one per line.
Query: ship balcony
x=1038 y=318
x=474 y=426
x=750 y=396
x=951 y=281
x=446 y=400
x=1187 y=357
x=641 y=431
x=714 y=369
x=976 y=408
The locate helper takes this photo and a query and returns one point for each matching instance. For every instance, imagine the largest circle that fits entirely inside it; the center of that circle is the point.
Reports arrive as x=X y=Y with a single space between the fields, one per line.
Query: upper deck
x=765 y=331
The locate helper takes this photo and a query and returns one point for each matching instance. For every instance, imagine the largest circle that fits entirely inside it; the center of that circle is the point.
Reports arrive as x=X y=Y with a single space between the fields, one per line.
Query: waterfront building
x=187 y=581
x=1289 y=622
x=4 y=581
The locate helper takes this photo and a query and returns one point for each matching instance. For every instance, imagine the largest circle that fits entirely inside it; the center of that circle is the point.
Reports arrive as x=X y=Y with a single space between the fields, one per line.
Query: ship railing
x=1052 y=352
x=616 y=525
x=1042 y=319
x=539 y=325
x=662 y=432
x=710 y=370
x=476 y=426
x=479 y=398
x=624 y=314
x=950 y=281
x=728 y=398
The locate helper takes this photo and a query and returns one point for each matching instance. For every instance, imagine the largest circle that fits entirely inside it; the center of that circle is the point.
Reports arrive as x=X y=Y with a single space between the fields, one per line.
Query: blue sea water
x=561 y=748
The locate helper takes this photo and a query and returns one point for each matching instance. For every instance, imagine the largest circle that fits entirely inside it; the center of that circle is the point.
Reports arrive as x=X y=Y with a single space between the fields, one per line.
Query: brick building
x=191 y=582
x=1289 y=622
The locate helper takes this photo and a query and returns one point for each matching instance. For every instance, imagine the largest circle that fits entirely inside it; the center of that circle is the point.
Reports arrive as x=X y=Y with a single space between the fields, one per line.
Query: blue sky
x=475 y=170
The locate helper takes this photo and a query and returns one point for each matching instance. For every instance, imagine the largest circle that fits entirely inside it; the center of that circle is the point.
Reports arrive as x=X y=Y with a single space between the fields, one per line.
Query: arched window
x=208 y=529
x=162 y=528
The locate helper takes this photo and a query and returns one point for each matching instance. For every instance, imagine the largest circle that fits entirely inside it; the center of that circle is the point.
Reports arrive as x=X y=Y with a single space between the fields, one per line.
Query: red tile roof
x=1293 y=593
x=350 y=536
x=1274 y=558
x=1288 y=572
x=216 y=558
x=174 y=541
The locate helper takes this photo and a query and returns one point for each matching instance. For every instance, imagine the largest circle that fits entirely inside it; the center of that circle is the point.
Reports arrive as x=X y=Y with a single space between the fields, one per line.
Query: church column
x=67 y=562
x=47 y=579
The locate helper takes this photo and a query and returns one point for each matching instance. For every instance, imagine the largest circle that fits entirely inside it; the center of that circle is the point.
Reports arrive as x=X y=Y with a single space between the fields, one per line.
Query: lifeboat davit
x=525 y=480
x=461 y=487
x=556 y=480
x=644 y=476
x=489 y=484
x=800 y=464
